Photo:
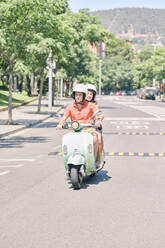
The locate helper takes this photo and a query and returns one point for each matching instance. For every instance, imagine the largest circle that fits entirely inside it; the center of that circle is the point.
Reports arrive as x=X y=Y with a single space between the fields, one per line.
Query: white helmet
x=91 y=87
x=79 y=88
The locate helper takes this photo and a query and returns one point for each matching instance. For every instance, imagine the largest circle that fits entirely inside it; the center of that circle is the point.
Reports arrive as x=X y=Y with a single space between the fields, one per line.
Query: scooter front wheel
x=75 y=179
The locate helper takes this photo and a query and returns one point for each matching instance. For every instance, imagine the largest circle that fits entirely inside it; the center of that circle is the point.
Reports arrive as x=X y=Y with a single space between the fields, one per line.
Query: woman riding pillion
x=82 y=111
x=90 y=97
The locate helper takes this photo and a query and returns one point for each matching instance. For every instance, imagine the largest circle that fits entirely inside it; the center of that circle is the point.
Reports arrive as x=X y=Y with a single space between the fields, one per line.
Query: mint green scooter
x=78 y=153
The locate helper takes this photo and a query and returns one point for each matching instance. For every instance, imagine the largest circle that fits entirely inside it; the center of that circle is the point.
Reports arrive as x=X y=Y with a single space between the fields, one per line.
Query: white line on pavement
x=4 y=173
x=16 y=159
x=12 y=166
x=129 y=119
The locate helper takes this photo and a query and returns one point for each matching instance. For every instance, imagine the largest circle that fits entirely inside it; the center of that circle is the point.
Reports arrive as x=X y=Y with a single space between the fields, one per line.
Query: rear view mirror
x=65 y=126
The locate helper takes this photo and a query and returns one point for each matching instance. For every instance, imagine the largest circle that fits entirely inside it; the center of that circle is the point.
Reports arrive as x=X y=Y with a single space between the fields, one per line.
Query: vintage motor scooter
x=78 y=153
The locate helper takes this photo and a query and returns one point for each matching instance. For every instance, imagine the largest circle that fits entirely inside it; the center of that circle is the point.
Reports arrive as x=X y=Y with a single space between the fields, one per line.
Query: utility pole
x=100 y=61
x=101 y=53
x=61 y=89
x=50 y=88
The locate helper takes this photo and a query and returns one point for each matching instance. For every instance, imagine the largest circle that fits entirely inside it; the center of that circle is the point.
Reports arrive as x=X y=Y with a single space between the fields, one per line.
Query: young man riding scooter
x=82 y=111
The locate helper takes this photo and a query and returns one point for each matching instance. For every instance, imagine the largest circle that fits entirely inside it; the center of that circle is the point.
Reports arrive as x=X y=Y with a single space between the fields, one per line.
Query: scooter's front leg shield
x=78 y=150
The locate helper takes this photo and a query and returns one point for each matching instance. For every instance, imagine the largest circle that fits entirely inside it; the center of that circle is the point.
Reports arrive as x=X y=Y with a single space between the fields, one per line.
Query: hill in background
x=143 y=26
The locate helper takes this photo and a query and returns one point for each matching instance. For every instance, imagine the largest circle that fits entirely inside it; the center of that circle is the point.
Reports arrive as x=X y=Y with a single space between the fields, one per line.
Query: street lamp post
x=102 y=56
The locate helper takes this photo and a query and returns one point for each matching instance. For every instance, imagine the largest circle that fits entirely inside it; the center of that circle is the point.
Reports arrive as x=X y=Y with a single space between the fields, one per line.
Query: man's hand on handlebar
x=59 y=126
x=98 y=124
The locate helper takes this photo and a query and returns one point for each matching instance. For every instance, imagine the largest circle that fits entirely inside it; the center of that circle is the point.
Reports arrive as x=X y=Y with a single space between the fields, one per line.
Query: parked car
x=149 y=93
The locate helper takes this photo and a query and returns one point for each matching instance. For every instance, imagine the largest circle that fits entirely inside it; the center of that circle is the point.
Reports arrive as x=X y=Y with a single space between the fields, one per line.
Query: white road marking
x=4 y=173
x=127 y=122
x=131 y=127
x=12 y=166
x=16 y=159
x=131 y=124
x=129 y=119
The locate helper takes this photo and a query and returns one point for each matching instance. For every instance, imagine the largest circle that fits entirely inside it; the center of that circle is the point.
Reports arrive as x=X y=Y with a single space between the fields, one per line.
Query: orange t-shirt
x=83 y=115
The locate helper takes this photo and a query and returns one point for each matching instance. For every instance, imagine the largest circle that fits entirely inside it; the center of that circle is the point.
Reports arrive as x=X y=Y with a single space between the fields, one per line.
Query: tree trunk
x=15 y=83
x=10 y=93
x=41 y=90
x=28 y=86
x=53 y=91
x=20 y=84
x=32 y=84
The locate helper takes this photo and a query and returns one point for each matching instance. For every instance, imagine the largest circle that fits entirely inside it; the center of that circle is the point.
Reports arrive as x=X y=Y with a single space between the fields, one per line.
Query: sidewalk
x=27 y=116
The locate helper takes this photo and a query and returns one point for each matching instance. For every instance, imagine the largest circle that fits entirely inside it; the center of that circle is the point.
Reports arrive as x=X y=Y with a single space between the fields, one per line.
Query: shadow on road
x=47 y=125
x=18 y=141
x=100 y=177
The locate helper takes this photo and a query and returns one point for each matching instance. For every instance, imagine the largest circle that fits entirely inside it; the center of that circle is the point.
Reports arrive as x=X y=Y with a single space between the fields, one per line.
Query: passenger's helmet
x=92 y=88
x=79 y=88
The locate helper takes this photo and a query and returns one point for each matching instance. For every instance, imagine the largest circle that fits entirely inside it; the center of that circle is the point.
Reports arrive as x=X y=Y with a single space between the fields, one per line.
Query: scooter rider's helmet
x=79 y=88
x=92 y=88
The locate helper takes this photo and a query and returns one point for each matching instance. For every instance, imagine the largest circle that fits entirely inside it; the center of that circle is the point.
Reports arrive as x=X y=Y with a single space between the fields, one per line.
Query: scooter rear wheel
x=74 y=174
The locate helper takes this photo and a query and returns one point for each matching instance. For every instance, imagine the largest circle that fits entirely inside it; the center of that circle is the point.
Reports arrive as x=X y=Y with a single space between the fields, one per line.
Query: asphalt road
x=123 y=206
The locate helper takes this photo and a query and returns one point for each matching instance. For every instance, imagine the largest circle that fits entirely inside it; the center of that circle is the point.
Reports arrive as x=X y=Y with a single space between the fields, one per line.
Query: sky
x=94 y=5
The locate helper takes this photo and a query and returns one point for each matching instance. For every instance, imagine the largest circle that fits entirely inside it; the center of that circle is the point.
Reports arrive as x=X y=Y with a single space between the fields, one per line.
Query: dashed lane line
x=124 y=154
x=135 y=154
x=4 y=173
x=135 y=133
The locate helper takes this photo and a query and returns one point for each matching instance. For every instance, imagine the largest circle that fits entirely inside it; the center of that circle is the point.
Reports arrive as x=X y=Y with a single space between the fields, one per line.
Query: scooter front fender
x=76 y=159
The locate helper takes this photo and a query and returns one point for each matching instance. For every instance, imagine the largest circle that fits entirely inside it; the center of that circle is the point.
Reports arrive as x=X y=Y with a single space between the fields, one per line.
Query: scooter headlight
x=75 y=125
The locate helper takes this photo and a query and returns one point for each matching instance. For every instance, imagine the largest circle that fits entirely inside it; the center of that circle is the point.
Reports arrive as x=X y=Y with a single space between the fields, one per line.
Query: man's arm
x=64 y=118
x=62 y=122
x=98 y=115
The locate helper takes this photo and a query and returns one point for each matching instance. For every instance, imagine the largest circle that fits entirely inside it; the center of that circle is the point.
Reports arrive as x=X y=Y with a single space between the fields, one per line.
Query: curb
x=30 y=125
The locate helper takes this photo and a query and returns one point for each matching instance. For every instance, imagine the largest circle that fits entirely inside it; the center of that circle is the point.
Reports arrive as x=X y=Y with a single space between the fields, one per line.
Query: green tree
x=20 y=22
x=79 y=61
x=159 y=64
